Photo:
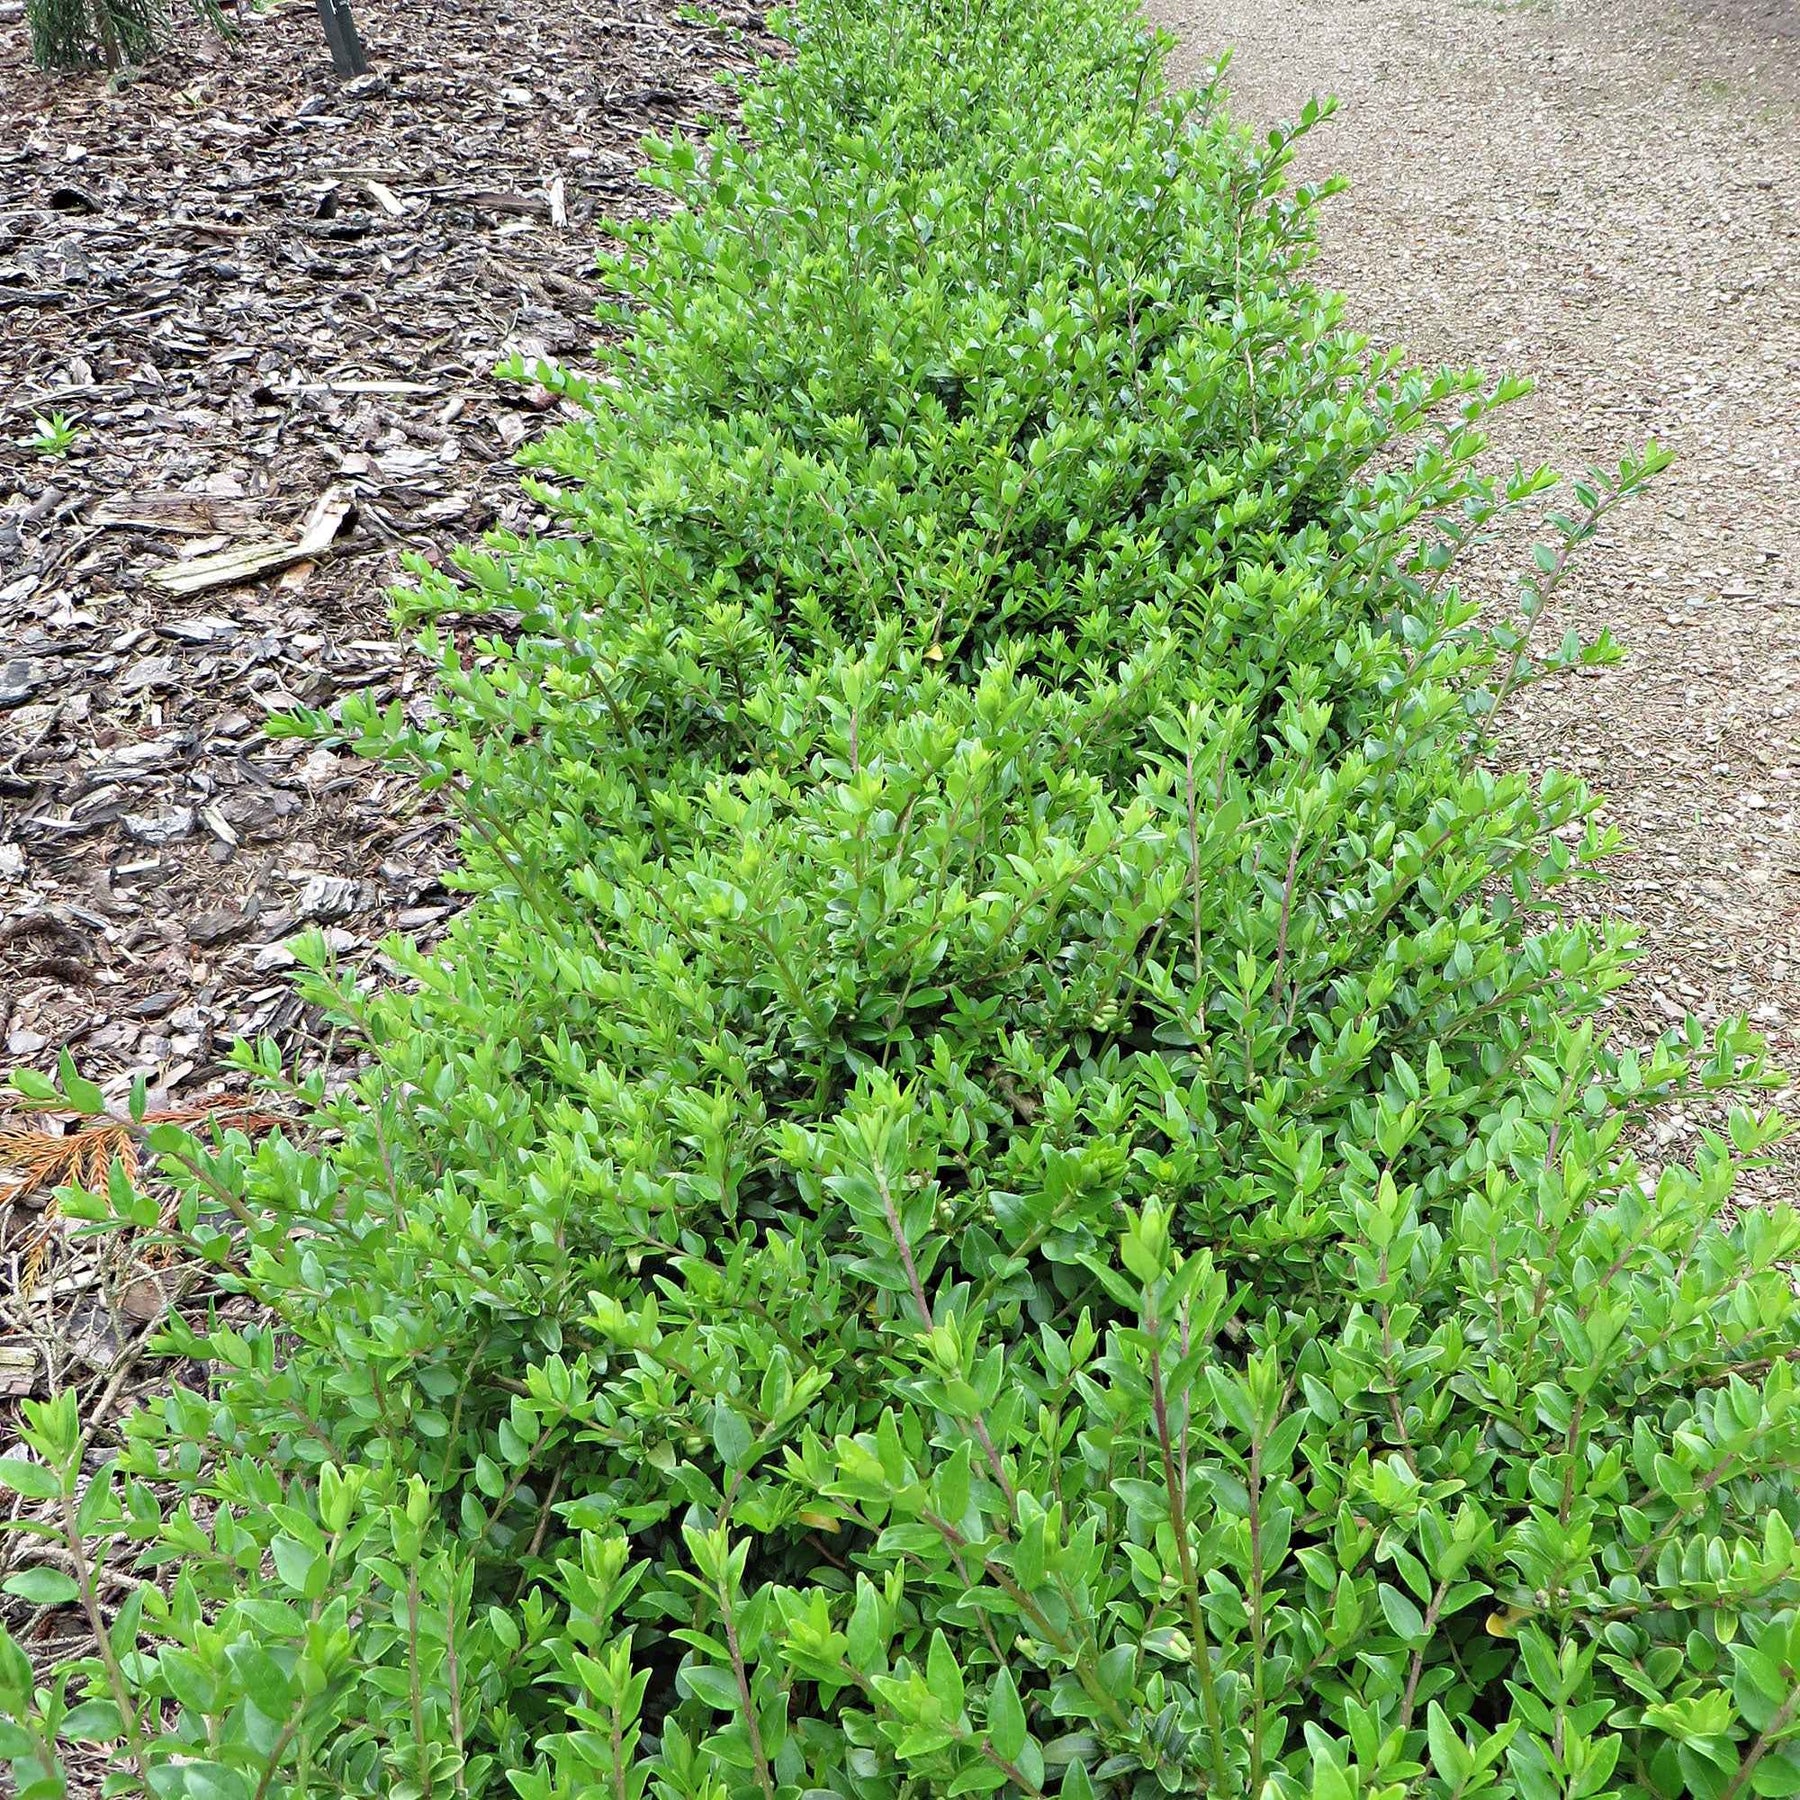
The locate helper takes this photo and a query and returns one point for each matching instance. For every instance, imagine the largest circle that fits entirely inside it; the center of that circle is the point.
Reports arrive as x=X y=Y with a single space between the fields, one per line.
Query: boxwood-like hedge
x=1013 y=1181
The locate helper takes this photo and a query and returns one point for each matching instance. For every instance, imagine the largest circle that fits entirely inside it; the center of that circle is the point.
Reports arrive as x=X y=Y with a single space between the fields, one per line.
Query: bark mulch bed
x=267 y=302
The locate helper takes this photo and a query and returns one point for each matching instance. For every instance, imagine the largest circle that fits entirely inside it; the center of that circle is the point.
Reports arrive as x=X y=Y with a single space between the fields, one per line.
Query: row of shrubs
x=1013 y=1182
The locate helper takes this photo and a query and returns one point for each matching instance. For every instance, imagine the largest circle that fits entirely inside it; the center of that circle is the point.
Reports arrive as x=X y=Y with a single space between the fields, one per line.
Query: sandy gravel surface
x=1605 y=196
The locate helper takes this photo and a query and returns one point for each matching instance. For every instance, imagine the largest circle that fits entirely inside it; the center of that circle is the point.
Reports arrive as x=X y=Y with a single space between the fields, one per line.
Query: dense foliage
x=1011 y=1183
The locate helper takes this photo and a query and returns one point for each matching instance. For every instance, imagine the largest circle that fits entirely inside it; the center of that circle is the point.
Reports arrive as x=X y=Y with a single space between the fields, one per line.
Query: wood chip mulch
x=269 y=304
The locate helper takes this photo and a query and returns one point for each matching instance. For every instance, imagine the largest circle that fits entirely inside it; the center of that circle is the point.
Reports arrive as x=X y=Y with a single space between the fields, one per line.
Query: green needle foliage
x=1011 y=1183
x=73 y=34
x=77 y=34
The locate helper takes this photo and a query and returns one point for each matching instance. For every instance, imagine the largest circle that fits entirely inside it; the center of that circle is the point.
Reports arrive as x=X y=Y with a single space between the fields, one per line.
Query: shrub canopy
x=1011 y=1183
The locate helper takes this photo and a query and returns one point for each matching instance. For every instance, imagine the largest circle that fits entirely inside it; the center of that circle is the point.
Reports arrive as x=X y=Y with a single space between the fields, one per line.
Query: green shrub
x=1012 y=1183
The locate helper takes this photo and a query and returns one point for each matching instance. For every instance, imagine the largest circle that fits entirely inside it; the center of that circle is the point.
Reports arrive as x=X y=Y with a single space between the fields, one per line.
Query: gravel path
x=1606 y=196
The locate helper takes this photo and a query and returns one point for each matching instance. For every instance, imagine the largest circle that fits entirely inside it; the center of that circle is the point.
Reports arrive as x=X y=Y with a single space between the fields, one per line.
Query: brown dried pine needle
x=84 y=1158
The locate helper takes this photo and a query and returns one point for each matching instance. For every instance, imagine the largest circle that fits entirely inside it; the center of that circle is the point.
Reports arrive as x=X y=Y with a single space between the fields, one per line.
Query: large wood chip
x=192 y=515
x=231 y=568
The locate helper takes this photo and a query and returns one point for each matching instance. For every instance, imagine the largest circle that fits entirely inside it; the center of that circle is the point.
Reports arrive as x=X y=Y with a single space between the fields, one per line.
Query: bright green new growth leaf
x=42 y=1587
x=32 y=1479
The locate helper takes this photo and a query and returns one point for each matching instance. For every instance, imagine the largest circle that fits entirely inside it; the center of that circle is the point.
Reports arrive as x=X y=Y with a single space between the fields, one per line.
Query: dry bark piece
x=209 y=628
x=536 y=206
x=353 y=387
x=231 y=568
x=335 y=897
x=20 y=679
x=210 y=928
x=148 y=672
x=193 y=515
x=132 y=762
x=145 y=1299
x=20 y=1365
x=161 y=828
